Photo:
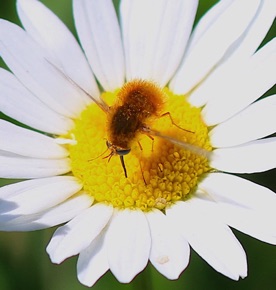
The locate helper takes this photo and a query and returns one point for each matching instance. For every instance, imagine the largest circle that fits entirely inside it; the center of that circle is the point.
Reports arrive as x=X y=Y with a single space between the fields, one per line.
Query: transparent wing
x=193 y=148
x=98 y=102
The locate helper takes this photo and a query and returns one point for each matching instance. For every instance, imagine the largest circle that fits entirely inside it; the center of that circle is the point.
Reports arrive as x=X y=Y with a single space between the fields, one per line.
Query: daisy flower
x=135 y=143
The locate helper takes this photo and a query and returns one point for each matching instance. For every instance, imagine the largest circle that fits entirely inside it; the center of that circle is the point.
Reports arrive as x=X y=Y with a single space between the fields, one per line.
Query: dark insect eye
x=122 y=152
x=118 y=150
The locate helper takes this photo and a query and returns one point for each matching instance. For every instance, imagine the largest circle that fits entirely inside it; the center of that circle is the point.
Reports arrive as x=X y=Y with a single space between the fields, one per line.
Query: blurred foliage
x=24 y=263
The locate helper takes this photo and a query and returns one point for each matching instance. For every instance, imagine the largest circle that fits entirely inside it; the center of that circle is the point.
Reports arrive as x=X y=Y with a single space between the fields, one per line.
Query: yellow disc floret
x=159 y=173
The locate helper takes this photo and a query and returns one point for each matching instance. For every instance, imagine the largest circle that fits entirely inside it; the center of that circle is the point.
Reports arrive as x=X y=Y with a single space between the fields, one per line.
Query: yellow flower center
x=159 y=173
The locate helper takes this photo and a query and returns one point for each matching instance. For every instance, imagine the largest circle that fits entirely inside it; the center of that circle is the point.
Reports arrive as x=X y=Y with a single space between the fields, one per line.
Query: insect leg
x=169 y=114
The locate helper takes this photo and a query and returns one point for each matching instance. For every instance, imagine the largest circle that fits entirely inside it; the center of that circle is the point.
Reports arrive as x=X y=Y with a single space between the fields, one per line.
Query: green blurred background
x=24 y=263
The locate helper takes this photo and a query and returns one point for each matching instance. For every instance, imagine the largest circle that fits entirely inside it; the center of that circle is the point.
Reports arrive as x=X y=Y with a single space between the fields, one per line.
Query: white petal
x=49 y=218
x=33 y=196
x=255 y=156
x=235 y=85
x=260 y=225
x=98 y=29
x=128 y=242
x=155 y=35
x=18 y=102
x=58 y=41
x=214 y=44
x=252 y=37
x=93 y=262
x=28 y=143
x=170 y=252
x=76 y=235
x=14 y=166
x=256 y=31
x=233 y=190
x=29 y=63
x=242 y=204
x=206 y=22
x=255 y=122
x=211 y=239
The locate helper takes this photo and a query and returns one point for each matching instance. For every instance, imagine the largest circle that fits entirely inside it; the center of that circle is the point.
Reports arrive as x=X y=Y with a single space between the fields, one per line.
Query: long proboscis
x=99 y=102
x=193 y=148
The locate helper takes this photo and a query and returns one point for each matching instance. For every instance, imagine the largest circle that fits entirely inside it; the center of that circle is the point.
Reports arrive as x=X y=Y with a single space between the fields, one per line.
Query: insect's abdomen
x=124 y=125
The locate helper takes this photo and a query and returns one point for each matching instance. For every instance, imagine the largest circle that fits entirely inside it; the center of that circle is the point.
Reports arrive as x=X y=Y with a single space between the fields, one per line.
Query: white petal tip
x=55 y=260
x=54 y=257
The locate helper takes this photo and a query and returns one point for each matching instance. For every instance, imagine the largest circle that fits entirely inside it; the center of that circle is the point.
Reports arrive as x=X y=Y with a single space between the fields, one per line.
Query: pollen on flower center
x=159 y=173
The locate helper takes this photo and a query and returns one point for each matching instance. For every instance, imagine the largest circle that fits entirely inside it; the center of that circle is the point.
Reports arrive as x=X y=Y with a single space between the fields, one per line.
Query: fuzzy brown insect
x=138 y=104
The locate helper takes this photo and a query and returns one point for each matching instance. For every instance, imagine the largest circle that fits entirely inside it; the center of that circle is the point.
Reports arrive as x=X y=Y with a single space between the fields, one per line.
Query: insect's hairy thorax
x=131 y=114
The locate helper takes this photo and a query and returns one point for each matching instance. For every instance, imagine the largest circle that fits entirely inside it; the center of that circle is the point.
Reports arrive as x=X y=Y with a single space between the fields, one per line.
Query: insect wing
x=98 y=102
x=193 y=148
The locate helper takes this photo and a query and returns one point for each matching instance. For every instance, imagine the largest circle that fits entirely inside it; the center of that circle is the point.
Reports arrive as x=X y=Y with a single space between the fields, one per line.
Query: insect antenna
x=99 y=155
x=100 y=102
